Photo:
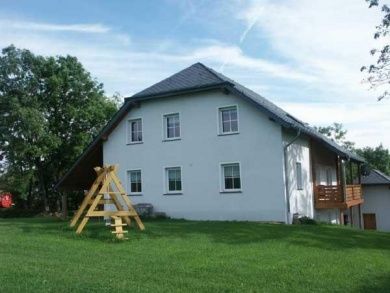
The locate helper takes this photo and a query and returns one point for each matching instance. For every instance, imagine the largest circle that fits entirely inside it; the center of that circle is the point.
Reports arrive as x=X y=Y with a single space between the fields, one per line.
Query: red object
x=5 y=200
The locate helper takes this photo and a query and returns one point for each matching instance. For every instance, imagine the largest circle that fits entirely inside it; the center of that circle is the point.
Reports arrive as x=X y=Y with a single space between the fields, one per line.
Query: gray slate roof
x=376 y=177
x=199 y=76
x=195 y=76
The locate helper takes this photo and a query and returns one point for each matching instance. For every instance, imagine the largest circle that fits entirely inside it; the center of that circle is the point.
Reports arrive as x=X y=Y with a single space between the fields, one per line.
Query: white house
x=198 y=145
x=376 y=207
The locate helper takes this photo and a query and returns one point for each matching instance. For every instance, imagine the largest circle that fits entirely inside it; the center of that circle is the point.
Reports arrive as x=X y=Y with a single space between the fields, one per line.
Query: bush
x=306 y=221
x=17 y=213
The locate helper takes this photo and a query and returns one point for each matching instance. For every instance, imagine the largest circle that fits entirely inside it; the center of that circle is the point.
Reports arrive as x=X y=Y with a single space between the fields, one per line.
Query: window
x=329 y=179
x=135 y=181
x=228 y=120
x=299 y=176
x=172 y=126
x=173 y=180
x=135 y=131
x=231 y=177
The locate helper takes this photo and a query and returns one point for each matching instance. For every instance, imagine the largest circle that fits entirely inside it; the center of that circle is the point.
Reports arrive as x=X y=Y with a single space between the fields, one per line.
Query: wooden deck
x=332 y=196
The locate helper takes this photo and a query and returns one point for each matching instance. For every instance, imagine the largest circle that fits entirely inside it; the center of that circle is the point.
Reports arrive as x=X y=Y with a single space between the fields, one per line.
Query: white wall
x=377 y=201
x=258 y=148
x=301 y=201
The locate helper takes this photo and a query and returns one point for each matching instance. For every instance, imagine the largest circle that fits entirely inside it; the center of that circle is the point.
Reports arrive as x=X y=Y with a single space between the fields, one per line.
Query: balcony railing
x=332 y=196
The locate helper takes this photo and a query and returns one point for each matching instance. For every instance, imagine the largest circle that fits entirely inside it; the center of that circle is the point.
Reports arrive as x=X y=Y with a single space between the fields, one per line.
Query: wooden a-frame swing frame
x=103 y=192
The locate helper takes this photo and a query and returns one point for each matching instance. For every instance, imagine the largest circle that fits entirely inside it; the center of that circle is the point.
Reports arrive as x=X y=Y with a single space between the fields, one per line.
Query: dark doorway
x=369 y=221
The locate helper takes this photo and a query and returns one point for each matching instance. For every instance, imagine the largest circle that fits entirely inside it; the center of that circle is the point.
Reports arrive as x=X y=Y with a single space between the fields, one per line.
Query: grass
x=44 y=255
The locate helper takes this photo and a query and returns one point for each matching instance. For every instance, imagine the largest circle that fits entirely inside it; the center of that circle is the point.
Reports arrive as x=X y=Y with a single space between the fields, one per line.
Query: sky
x=303 y=55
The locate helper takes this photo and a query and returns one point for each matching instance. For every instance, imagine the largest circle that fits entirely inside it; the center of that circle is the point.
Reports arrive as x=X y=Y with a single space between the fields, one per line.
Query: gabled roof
x=196 y=78
x=193 y=77
x=376 y=177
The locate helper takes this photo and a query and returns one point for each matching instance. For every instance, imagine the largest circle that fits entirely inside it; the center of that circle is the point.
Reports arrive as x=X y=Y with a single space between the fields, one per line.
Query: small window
x=173 y=180
x=231 y=177
x=329 y=179
x=135 y=181
x=135 y=131
x=228 y=120
x=172 y=126
x=299 y=176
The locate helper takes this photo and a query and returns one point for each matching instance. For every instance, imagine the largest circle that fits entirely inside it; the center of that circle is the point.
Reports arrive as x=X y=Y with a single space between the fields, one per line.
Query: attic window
x=134 y=131
x=228 y=120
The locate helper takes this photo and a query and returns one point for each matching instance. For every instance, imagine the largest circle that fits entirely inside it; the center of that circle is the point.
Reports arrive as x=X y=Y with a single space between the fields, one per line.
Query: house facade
x=376 y=207
x=200 y=146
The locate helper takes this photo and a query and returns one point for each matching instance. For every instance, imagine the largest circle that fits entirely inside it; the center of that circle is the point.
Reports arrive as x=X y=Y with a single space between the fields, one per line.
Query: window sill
x=231 y=191
x=228 y=133
x=171 y=139
x=135 y=142
x=173 y=193
x=135 y=194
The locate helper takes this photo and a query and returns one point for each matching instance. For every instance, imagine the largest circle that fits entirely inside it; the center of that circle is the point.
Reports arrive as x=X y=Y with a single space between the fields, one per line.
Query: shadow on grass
x=377 y=284
x=318 y=236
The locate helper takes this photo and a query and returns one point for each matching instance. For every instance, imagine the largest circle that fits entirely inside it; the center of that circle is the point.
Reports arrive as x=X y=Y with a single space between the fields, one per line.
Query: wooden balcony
x=331 y=196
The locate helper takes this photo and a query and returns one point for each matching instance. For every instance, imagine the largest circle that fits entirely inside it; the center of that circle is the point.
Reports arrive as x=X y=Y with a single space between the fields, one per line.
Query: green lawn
x=44 y=255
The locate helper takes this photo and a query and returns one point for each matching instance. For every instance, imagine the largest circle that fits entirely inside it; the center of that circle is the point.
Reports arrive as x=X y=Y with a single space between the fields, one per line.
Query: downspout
x=287 y=191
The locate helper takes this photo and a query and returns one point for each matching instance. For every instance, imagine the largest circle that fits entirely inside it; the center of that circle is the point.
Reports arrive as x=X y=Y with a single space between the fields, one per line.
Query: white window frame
x=129 y=134
x=222 y=177
x=220 y=122
x=165 y=127
x=166 y=181
x=299 y=175
x=128 y=183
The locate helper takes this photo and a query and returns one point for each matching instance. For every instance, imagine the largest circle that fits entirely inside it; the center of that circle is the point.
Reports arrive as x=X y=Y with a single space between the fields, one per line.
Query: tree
x=379 y=73
x=51 y=108
x=377 y=158
x=336 y=133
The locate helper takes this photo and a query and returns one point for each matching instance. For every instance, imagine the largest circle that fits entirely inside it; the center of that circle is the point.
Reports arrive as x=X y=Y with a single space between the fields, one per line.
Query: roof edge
x=97 y=139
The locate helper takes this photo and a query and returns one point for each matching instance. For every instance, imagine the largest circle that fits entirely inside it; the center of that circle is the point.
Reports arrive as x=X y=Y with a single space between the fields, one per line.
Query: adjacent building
x=376 y=207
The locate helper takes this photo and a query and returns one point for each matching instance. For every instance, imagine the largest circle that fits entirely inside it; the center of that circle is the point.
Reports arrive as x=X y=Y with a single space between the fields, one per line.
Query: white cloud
x=239 y=60
x=112 y=58
x=367 y=123
x=50 y=27
x=327 y=39
x=323 y=59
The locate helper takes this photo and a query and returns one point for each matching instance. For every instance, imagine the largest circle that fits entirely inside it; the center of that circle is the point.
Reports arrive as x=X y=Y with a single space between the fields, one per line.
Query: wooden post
x=351 y=216
x=343 y=179
x=351 y=172
x=337 y=170
x=360 y=174
x=88 y=196
x=313 y=176
x=360 y=215
x=341 y=217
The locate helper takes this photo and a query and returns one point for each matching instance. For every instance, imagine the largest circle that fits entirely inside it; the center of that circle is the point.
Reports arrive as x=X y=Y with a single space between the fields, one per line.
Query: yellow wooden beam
x=87 y=199
x=94 y=197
